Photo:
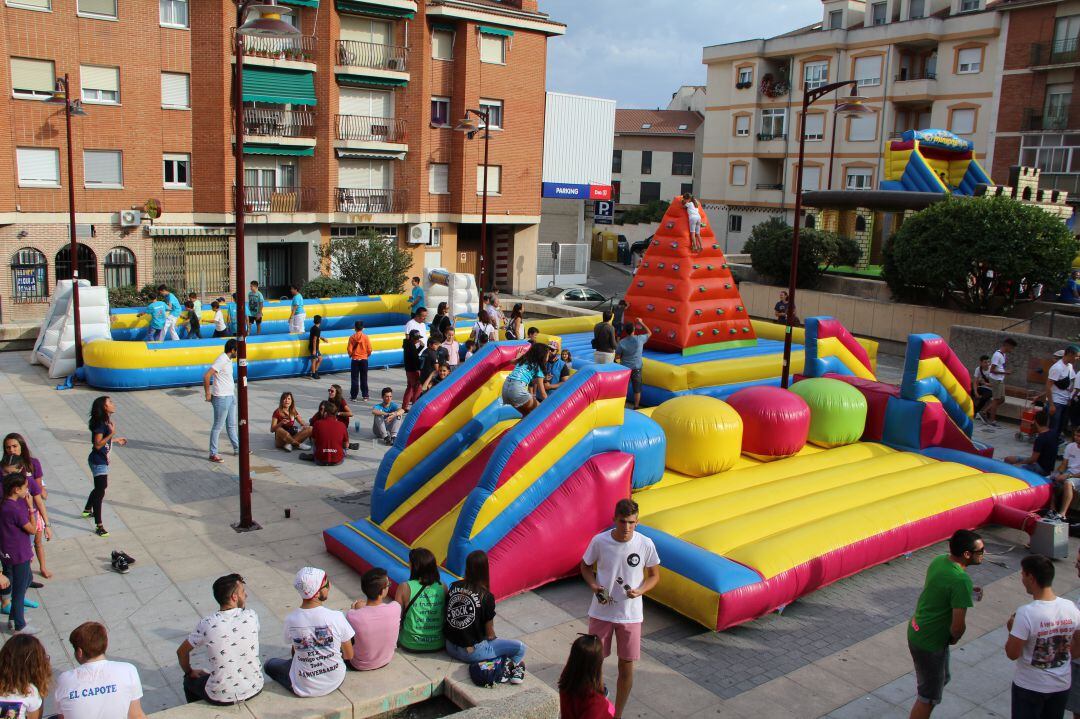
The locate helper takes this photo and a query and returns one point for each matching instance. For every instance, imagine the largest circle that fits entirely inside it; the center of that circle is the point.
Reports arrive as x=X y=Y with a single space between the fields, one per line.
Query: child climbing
x=693 y=213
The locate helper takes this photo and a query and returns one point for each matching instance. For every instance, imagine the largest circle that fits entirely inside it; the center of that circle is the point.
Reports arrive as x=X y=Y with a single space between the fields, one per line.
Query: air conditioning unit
x=436 y=237
x=420 y=234
x=130 y=218
x=395 y=63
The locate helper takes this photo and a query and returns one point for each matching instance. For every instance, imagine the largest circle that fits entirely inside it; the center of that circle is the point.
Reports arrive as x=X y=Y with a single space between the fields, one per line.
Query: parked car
x=574 y=295
x=638 y=249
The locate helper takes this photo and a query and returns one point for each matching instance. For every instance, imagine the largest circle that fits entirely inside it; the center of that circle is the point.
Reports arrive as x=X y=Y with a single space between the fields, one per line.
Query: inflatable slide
x=932 y=161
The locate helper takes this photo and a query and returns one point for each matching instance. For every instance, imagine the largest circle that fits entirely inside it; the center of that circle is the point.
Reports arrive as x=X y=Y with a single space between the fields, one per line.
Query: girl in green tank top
x=423 y=604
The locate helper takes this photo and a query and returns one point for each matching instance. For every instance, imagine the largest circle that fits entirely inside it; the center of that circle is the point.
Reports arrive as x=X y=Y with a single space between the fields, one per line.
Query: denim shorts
x=96 y=470
x=931 y=673
x=515 y=393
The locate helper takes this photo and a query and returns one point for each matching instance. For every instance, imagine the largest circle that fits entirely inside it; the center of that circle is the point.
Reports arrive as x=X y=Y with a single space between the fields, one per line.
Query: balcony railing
x=351 y=199
x=372 y=55
x=769 y=186
x=272 y=122
x=1036 y=120
x=262 y=198
x=1055 y=53
x=370 y=129
x=300 y=48
x=763 y=136
x=904 y=76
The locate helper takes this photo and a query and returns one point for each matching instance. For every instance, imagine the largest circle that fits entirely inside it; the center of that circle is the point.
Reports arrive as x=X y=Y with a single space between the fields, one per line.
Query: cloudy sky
x=640 y=51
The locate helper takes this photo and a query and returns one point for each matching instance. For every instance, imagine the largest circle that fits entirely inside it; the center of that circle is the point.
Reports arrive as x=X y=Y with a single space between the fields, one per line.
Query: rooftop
x=657 y=122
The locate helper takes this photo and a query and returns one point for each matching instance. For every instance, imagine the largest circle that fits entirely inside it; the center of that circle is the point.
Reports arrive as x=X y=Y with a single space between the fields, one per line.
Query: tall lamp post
x=264 y=20
x=470 y=127
x=852 y=108
x=72 y=108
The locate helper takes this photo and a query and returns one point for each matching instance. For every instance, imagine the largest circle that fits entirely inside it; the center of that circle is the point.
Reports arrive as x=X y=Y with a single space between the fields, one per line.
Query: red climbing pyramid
x=688 y=299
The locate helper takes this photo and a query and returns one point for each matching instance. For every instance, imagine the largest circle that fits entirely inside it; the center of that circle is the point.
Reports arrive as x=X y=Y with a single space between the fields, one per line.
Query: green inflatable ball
x=837 y=411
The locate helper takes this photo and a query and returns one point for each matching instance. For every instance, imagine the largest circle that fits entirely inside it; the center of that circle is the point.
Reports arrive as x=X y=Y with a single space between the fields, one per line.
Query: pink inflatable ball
x=776 y=422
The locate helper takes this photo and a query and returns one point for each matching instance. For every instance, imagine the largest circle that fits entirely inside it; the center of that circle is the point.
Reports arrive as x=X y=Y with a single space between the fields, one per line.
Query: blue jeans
x=278 y=670
x=487 y=650
x=19 y=575
x=1057 y=420
x=224 y=416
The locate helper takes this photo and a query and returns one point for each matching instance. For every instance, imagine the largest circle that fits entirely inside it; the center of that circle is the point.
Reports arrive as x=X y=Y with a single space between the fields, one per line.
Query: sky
x=638 y=52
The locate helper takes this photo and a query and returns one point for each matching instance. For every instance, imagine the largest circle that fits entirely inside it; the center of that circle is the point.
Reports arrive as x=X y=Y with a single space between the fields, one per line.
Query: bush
x=769 y=247
x=149 y=292
x=327 y=287
x=983 y=253
x=368 y=264
x=127 y=296
x=652 y=212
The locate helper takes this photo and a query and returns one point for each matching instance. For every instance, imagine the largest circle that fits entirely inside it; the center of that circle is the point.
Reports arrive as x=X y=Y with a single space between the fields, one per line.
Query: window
x=29 y=275
x=45 y=5
x=682 y=163
x=646 y=162
x=1056 y=107
x=650 y=192
x=175 y=91
x=494 y=109
x=746 y=76
x=616 y=160
x=862 y=128
x=836 y=20
x=32 y=79
x=859 y=178
x=1066 y=32
x=646 y=126
x=442 y=44
x=811 y=178
x=815 y=127
x=100 y=85
x=868 y=70
x=968 y=60
x=119 y=268
x=742 y=125
x=738 y=175
x=917 y=9
x=103 y=169
x=969 y=5
x=439 y=178
x=1051 y=153
x=177 y=171
x=98 y=8
x=38 y=166
x=173 y=13
x=734 y=223
x=962 y=121
x=440 y=111
x=686 y=188
x=87 y=263
x=616 y=191
x=816 y=74
x=492 y=48
x=494 y=184
x=773 y=123
x=879 y=13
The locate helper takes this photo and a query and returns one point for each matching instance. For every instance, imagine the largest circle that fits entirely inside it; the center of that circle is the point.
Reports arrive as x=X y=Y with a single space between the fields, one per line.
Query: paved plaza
x=840 y=652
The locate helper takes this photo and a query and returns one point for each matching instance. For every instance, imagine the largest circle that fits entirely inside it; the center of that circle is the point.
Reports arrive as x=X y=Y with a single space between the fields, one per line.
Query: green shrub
x=769 y=247
x=368 y=264
x=127 y=296
x=327 y=287
x=652 y=212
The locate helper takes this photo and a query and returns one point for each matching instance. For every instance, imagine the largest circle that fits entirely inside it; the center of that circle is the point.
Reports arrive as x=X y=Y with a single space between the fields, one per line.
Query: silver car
x=575 y=295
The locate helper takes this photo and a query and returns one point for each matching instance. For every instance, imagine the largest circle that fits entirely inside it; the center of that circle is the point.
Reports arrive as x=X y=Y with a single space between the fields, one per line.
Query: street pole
x=74 y=246
x=484 y=207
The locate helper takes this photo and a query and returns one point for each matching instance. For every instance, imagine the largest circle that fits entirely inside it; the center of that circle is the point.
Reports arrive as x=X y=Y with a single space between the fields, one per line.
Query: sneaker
x=36 y=585
x=29 y=629
x=119 y=564
x=87 y=514
x=127 y=557
x=354 y=446
x=315 y=375
x=979 y=417
x=389 y=441
x=216 y=458
x=101 y=531
x=305 y=447
x=1054 y=516
x=993 y=423
x=287 y=448
x=307 y=456
x=517 y=673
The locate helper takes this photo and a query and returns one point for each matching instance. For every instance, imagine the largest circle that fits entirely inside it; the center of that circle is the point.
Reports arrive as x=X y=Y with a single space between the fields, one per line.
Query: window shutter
x=174 y=90
x=491 y=48
x=102 y=167
x=38 y=165
x=738 y=175
x=742 y=124
x=442 y=44
x=868 y=68
x=43 y=4
x=863 y=128
x=494 y=178
x=815 y=125
x=969 y=59
x=36 y=75
x=439 y=180
x=100 y=78
x=963 y=122
x=98 y=7
x=354 y=173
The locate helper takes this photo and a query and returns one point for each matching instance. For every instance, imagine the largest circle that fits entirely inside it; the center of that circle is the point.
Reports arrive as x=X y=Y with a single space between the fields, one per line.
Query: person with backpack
x=981 y=391
x=582 y=694
x=1059 y=388
x=484 y=329
x=516 y=323
x=423 y=604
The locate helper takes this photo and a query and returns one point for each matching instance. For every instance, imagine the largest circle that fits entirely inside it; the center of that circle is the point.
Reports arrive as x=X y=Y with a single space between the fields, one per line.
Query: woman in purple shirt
x=15 y=552
x=17 y=455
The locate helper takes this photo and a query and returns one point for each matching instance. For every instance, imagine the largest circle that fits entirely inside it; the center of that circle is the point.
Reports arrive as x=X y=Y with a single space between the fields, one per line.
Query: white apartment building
x=654 y=157
x=920 y=64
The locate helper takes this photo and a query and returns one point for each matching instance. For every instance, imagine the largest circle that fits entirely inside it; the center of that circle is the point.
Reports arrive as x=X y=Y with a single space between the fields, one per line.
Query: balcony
x=278 y=123
x=764 y=136
x=366 y=129
x=769 y=186
x=1059 y=52
x=279 y=51
x=371 y=63
x=262 y=198
x=1035 y=120
x=370 y=201
x=905 y=76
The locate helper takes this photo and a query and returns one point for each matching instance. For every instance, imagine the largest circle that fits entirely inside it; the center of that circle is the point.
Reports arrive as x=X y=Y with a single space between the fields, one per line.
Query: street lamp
x=852 y=108
x=62 y=95
x=263 y=20
x=470 y=127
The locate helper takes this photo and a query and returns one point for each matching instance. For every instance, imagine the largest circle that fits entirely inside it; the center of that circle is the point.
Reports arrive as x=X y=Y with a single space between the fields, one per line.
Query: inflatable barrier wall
x=55 y=343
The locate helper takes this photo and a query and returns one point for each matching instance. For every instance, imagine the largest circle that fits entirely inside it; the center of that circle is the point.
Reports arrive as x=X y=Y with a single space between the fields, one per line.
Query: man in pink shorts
x=620 y=566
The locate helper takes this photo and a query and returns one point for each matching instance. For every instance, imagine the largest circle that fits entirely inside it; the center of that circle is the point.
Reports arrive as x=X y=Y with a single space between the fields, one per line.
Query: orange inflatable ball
x=704 y=434
x=776 y=422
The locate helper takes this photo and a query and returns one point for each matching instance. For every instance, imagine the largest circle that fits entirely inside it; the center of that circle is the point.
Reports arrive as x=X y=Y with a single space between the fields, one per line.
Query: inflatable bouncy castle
x=932 y=161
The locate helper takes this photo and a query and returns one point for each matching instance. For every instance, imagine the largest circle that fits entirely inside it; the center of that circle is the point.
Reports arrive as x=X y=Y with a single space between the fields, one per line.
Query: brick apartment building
x=347 y=125
x=1038 y=114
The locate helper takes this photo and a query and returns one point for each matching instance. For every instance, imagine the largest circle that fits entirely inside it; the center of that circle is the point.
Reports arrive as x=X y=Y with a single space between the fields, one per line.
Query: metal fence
x=351 y=199
x=299 y=48
x=378 y=56
x=193 y=264
x=274 y=122
x=264 y=198
x=370 y=129
x=573 y=260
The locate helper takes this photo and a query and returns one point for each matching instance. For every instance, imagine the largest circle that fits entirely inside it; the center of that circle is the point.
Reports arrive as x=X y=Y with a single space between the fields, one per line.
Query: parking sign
x=604 y=213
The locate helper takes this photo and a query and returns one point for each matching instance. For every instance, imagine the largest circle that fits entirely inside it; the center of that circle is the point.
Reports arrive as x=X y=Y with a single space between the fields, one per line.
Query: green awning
x=488 y=30
x=279 y=150
x=279 y=86
x=444 y=26
x=366 y=8
x=345 y=78
x=300 y=3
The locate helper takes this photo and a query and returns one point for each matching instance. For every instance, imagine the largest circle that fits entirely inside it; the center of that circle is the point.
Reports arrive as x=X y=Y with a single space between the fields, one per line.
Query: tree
x=983 y=253
x=769 y=247
x=371 y=264
x=652 y=212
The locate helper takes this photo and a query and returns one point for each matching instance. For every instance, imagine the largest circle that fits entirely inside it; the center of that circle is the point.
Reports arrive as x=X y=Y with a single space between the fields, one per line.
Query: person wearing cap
x=321 y=641
x=1060 y=379
x=557 y=369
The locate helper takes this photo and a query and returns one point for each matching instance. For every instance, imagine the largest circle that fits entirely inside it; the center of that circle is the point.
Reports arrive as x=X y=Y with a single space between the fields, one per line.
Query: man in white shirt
x=620 y=566
x=1060 y=379
x=1043 y=636
x=997 y=372
x=418 y=323
x=231 y=638
x=221 y=394
x=321 y=641
x=98 y=688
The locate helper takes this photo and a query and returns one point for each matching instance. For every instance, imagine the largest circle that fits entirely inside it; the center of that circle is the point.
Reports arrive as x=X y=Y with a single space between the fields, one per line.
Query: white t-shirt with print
x=17 y=706
x=221 y=384
x=231 y=638
x=316 y=635
x=101 y=689
x=219 y=320
x=1072 y=458
x=1047 y=628
x=419 y=327
x=1061 y=370
x=618 y=564
x=997 y=365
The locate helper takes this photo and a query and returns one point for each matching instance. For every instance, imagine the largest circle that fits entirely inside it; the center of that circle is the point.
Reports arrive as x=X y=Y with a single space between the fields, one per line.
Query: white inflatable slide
x=456 y=288
x=55 y=345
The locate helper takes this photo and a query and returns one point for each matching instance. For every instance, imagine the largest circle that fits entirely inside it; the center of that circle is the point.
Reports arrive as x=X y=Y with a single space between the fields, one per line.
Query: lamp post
x=72 y=108
x=470 y=127
x=265 y=21
x=852 y=108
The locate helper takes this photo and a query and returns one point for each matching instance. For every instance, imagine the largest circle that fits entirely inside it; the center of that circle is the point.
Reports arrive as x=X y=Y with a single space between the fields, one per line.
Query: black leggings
x=93 y=502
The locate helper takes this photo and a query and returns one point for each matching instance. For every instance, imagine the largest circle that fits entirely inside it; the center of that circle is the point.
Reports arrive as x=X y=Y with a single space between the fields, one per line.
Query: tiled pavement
x=838 y=651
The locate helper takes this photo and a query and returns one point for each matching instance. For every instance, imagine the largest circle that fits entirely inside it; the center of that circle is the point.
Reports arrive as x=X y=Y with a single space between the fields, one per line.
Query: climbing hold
x=674 y=245
x=671 y=334
x=697 y=312
x=709 y=267
x=701 y=288
x=716 y=247
x=650 y=307
x=660 y=265
x=670 y=288
x=697 y=266
x=745 y=330
x=641 y=283
x=671 y=310
x=700 y=333
x=645 y=263
x=720 y=312
x=738 y=308
x=723 y=266
x=716 y=331
x=727 y=286
x=675 y=267
x=731 y=331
